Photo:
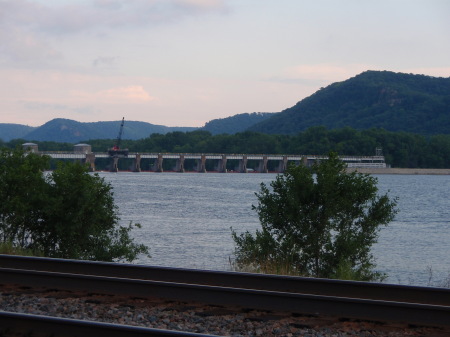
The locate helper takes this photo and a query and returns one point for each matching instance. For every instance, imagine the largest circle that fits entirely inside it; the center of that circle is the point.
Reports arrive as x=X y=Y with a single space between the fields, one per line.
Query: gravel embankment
x=194 y=317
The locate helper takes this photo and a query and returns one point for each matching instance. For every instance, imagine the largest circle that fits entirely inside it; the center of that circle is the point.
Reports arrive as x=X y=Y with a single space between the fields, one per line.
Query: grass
x=344 y=271
x=267 y=268
x=8 y=248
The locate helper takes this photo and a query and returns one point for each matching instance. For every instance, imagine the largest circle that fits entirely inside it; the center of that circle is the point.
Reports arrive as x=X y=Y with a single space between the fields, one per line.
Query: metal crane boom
x=116 y=151
x=119 y=137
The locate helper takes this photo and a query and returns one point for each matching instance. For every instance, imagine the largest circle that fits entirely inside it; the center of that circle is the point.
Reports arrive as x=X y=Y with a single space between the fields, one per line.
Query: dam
x=203 y=162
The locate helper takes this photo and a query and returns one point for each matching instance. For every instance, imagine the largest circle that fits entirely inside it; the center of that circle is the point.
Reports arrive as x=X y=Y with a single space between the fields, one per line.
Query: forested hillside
x=374 y=99
x=236 y=123
x=10 y=131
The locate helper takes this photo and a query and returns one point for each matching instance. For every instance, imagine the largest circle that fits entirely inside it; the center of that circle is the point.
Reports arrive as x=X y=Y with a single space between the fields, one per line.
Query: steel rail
x=412 y=313
x=325 y=287
x=72 y=327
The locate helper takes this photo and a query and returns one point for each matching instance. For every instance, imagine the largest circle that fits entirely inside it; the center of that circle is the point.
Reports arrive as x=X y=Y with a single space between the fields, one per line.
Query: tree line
x=400 y=149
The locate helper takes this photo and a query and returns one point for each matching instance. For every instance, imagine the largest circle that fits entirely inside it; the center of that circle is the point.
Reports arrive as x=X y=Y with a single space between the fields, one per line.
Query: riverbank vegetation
x=400 y=149
x=9 y=249
x=317 y=222
x=66 y=213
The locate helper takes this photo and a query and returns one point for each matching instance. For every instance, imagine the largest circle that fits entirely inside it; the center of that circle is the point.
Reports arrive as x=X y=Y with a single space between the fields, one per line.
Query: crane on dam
x=116 y=151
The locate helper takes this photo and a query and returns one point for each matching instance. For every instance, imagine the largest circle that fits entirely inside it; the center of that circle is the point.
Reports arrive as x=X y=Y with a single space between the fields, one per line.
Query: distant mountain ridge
x=373 y=99
x=10 y=131
x=70 y=131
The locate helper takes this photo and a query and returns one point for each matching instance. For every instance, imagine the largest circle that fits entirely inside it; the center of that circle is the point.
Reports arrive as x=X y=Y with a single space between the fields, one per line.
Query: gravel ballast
x=194 y=317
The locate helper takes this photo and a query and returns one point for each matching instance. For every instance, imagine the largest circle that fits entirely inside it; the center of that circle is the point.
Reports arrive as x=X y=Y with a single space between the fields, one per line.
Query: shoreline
x=405 y=171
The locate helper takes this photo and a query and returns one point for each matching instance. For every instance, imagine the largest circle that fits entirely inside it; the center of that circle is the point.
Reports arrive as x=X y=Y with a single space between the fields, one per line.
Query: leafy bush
x=67 y=213
x=318 y=222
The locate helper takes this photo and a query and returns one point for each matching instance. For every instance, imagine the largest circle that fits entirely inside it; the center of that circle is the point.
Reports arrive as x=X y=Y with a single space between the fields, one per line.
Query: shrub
x=319 y=222
x=67 y=213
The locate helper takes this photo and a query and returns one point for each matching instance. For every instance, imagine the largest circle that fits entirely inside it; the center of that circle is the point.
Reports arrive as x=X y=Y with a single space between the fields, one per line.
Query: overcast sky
x=186 y=62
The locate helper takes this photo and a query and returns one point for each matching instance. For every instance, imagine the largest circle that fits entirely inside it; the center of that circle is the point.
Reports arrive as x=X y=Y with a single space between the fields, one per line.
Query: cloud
x=30 y=30
x=38 y=105
x=104 y=61
x=61 y=109
x=84 y=16
x=202 y=4
x=130 y=94
x=22 y=46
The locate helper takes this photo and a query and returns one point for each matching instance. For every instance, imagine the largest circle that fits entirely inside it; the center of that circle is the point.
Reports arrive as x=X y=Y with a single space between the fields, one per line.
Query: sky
x=186 y=62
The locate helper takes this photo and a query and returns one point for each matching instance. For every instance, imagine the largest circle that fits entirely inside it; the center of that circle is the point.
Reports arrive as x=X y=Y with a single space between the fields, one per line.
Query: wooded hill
x=374 y=99
x=70 y=131
x=236 y=123
x=10 y=131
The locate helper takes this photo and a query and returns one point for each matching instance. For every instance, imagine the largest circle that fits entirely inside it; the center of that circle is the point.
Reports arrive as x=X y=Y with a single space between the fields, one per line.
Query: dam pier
x=201 y=162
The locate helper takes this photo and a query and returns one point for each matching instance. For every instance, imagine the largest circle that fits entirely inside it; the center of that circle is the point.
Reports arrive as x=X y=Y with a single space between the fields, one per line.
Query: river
x=186 y=220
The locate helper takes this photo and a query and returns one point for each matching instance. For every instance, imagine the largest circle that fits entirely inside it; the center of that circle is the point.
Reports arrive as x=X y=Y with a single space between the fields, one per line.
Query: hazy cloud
x=61 y=108
x=19 y=45
x=29 y=29
x=130 y=94
x=90 y=15
x=36 y=105
x=104 y=61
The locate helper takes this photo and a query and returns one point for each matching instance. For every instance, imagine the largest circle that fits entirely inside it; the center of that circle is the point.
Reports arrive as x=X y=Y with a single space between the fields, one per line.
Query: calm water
x=186 y=220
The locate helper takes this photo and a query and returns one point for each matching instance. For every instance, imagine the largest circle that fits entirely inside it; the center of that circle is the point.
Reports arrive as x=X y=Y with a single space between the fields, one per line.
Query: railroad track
x=72 y=327
x=356 y=300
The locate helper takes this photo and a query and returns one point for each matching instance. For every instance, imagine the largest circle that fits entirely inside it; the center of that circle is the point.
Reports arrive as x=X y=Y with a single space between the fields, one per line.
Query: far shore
x=415 y=171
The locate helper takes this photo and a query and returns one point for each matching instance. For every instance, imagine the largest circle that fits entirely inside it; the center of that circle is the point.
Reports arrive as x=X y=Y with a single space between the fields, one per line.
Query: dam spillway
x=200 y=162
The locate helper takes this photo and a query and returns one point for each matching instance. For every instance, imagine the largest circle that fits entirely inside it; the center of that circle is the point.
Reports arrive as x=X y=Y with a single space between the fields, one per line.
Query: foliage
x=400 y=149
x=67 y=213
x=321 y=222
x=236 y=123
x=8 y=248
x=374 y=99
x=11 y=131
x=22 y=192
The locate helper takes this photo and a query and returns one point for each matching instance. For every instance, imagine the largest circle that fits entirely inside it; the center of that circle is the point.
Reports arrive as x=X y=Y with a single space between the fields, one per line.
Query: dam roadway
x=200 y=162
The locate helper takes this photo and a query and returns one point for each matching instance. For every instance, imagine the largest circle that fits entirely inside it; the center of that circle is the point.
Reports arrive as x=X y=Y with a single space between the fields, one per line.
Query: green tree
x=67 y=213
x=319 y=222
x=22 y=195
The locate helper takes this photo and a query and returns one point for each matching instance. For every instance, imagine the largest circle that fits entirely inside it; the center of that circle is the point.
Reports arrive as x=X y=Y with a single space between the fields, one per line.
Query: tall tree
x=22 y=195
x=318 y=221
x=67 y=213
